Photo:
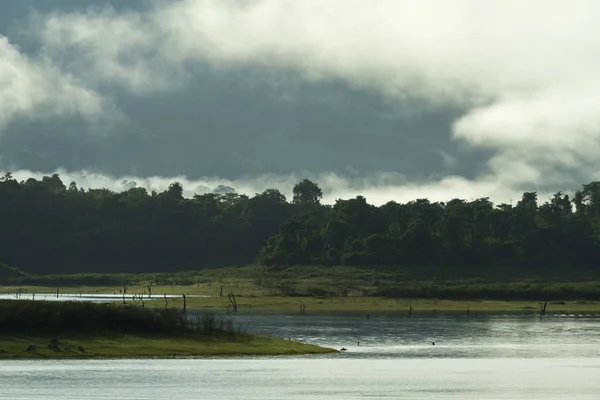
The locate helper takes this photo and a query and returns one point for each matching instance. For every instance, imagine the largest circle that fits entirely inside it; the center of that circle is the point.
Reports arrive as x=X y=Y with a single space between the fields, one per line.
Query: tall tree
x=307 y=192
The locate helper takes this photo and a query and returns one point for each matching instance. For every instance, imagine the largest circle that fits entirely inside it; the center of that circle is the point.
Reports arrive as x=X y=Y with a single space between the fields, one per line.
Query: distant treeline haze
x=49 y=228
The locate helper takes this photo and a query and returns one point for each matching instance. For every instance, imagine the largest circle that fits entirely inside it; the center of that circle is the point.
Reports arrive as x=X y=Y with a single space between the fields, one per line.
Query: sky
x=389 y=99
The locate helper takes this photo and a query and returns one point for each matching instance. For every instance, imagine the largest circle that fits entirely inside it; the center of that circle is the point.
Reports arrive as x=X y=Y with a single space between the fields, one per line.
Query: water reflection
x=463 y=336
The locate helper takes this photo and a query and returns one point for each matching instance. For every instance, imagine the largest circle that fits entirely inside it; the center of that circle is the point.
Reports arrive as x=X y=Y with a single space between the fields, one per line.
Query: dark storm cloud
x=245 y=122
x=224 y=127
x=225 y=92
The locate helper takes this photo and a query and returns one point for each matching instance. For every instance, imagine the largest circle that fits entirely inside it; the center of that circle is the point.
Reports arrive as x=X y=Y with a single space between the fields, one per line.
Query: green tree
x=306 y=192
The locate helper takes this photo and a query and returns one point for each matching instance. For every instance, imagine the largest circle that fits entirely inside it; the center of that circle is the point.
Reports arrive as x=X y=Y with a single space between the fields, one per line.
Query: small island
x=46 y=330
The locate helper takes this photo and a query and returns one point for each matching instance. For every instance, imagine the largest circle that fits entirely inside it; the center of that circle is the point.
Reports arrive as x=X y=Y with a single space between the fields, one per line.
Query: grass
x=316 y=305
x=362 y=304
x=130 y=346
x=259 y=288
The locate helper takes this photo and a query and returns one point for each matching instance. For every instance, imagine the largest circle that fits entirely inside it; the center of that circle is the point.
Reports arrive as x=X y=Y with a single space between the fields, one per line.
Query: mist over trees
x=47 y=227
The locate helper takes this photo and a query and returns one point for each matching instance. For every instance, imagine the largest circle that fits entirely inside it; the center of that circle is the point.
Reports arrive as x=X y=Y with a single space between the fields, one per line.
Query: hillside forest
x=47 y=227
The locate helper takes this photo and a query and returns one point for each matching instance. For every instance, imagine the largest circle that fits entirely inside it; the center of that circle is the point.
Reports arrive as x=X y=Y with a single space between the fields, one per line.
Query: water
x=485 y=336
x=488 y=357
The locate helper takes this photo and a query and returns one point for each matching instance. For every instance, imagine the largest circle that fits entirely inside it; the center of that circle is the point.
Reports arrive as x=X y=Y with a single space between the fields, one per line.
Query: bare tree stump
x=543 y=310
x=233 y=302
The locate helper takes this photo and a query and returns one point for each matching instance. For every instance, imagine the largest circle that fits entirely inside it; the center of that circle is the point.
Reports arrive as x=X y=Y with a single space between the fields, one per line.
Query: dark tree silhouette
x=307 y=192
x=48 y=228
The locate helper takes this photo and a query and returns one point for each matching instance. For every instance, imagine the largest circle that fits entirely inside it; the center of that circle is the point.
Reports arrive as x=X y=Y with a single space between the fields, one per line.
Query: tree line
x=47 y=227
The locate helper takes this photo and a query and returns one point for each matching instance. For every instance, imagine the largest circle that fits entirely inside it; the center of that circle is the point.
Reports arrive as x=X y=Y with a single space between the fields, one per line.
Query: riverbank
x=39 y=329
x=290 y=305
x=127 y=346
x=338 y=289
x=342 y=305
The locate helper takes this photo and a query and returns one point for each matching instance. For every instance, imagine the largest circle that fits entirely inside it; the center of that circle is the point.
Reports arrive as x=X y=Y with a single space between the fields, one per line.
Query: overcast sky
x=394 y=100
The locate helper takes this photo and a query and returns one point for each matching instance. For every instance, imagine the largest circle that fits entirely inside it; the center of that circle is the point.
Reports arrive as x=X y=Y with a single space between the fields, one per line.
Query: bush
x=84 y=317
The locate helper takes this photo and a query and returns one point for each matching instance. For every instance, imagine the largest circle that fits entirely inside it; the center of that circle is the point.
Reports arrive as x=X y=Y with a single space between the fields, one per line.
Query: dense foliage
x=47 y=227
x=84 y=317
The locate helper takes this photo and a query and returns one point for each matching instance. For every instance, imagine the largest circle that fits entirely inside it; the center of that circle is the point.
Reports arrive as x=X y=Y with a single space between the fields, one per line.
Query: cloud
x=34 y=89
x=104 y=46
x=525 y=73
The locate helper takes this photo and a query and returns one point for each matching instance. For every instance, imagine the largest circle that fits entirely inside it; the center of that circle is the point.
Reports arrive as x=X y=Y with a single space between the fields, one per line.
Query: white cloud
x=35 y=89
x=525 y=72
x=111 y=48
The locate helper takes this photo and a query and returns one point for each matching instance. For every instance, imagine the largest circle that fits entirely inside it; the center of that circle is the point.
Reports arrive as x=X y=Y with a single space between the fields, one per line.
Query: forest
x=47 y=227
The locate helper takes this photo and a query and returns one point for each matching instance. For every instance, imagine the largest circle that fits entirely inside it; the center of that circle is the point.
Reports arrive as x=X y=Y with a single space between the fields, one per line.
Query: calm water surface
x=488 y=357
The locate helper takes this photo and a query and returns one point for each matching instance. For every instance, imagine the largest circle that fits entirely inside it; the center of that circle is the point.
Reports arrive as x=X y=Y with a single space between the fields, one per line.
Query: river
x=391 y=356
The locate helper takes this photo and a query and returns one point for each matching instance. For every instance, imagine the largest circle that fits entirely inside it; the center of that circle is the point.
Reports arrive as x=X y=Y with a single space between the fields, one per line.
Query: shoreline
x=82 y=330
x=372 y=305
x=290 y=305
x=151 y=347
x=333 y=289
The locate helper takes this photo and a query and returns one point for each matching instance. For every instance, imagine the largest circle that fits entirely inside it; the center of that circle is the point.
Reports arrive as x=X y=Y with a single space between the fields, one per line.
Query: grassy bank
x=316 y=305
x=290 y=305
x=317 y=280
x=127 y=346
x=39 y=329
x=330 y=289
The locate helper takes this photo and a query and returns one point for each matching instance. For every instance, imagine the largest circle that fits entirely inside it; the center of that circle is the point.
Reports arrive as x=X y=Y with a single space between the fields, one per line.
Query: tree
x=7 y=177
x=54 y=183
x=48 y=229
x=360 y=214
x=306 y=192
x=175 y=191
x=525 y=215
